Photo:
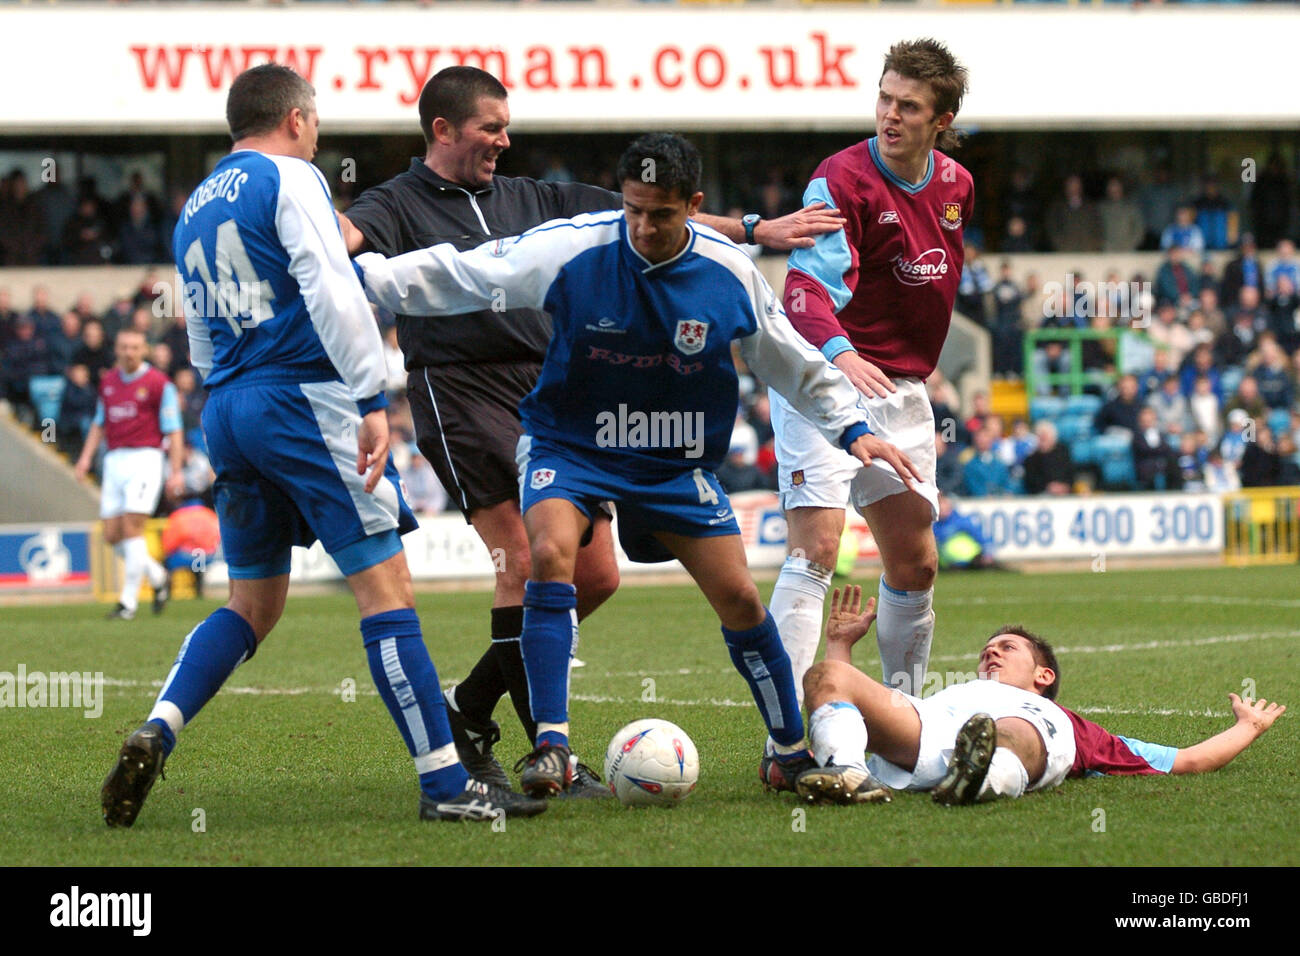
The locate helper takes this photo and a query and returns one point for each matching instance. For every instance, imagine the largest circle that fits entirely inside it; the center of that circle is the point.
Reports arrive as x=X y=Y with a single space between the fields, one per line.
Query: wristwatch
x=749 y=222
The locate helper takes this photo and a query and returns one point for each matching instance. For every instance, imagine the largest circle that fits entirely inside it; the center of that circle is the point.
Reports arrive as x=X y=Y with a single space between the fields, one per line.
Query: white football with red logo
x=651 y=762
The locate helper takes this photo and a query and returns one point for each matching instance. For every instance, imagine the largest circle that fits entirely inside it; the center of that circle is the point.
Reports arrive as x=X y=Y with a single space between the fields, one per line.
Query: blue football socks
x=207 y=658
x=761 y=659
x=548 y=641
x=408 y=683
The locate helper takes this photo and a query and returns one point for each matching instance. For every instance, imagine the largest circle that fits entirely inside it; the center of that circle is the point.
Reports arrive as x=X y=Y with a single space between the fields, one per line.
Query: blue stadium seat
x=1279 y=420
x=1083 y=451
x=1083 y=404
x=1046 y=406
x=1113 y=446
x=47 y=394
x=1073 y=427
x=1229 y=379
x=1118 y=473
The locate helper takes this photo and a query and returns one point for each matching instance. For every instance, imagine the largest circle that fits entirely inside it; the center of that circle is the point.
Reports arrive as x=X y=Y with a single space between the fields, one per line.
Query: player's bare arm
x=848 y=622
x=797 y=230
x=1254 y=717
x=352 y=236
x=93 y=438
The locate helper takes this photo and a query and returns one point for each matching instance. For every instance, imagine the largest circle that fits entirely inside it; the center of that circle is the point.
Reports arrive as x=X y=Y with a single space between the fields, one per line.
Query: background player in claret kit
x=653 y=340
x=298 y=436
x=877 y=300
x=137 y=410
x=466 y=380
x=999 y=736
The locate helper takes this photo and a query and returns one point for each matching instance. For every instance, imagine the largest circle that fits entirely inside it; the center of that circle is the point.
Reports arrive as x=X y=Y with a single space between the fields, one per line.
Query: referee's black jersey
x=419 y=208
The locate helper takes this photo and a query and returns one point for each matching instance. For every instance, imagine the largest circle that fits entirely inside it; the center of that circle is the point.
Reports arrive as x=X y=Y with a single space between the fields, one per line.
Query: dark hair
x=1044 y=656
x=930 y=61
x=665 y=160
x=453 y=94
x=262 y=97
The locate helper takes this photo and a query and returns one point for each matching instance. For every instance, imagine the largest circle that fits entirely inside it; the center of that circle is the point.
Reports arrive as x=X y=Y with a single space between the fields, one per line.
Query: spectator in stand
x=8 y=317
x=1289 y=470
x=980 y=412
x=1200 y=364
x=118 y=316
x=1157 y=201
x=76 y=411
x=1176 y=282
x=1020 y=444
x=1051 y=358
x=947 y=467
x=1122 y=228
x=177 y=338
x=959 y=539
x=1021 y=201
x=1183 y=232
x=1151 y=381
x=973 y=287
x=1215 y=215
x=64 y=344
x=1243 y=269
x=86 y=237
x=1261 y=465
x=1154 y=462
x=1170 y=334
x=1199 y=330
x=54 y=204
x=1008 y=337
x=142 y=322
x=1270 y=201
x=1284 y=314
x=1049 y=469
x=1016 y=238
x=1241 y=431
x=1242 y=337
x=1284 y=265
x=984 y=474
x=1173 y=414
x=94 y=352
x=191 y=399
x=1122 y=409
x=1206 y=408
x=47 y=321
x=1272 y=373
x=1220 y=475
x=1072 y=221
x=1208 y=305
x=424 y=492
x=1248 y=399
x=1208 y=278
x=26 y=355
x=139 y=241
x=1098 y=355
x=22 y=227
x=85 y=306
x=1191 y=475
x=161 y=358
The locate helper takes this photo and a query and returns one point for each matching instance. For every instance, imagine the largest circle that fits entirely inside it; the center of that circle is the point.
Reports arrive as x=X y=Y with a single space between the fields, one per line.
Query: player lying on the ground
x=999 y=736
x=635 y=405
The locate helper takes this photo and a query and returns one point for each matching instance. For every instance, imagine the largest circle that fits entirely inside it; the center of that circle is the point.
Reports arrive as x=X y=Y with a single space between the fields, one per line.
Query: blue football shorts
x=285 y=457
x=691 y=503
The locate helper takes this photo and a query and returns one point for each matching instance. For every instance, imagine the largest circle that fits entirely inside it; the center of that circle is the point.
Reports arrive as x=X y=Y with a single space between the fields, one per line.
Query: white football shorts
x=943 y=714
x=133 y=480
x=811 y=472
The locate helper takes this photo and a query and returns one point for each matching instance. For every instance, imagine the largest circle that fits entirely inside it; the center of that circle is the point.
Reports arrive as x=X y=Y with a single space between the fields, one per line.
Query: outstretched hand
x=1258 y=714
x=848 y=623
x=869 y=447
x=799 y=230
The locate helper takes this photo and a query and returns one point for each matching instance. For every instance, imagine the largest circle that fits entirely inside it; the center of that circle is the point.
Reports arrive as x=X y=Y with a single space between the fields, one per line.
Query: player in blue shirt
x=635 y=404
x=298 y=436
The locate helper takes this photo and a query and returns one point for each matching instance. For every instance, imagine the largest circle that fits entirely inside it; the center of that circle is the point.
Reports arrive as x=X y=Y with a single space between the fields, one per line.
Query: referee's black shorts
x=467 y=425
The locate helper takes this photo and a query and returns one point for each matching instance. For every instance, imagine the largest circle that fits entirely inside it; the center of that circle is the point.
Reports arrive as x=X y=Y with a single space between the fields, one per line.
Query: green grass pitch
x=282 y=769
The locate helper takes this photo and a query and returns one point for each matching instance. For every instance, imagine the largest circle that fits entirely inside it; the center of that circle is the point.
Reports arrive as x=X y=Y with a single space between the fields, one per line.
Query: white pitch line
x=1130 y=599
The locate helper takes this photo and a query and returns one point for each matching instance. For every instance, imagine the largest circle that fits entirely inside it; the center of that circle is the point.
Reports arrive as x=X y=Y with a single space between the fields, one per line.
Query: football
x=651 y=762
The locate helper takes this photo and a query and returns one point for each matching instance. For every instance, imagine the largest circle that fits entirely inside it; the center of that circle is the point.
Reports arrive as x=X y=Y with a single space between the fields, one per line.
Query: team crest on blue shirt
x=951 y=216
x=541 y=477
x=690 y=336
